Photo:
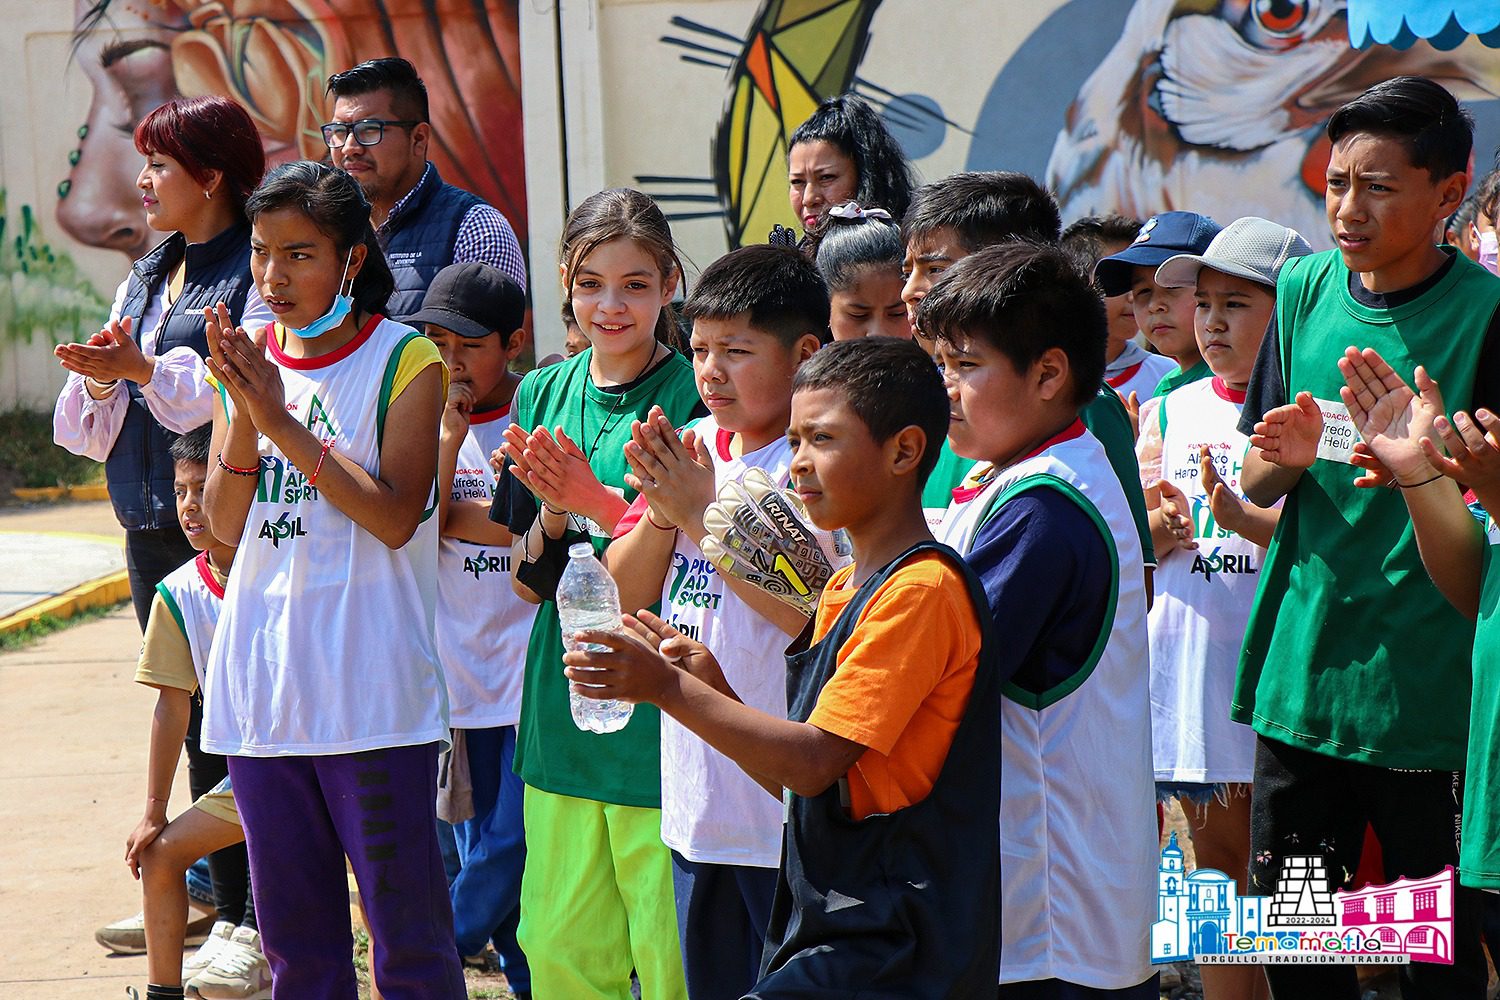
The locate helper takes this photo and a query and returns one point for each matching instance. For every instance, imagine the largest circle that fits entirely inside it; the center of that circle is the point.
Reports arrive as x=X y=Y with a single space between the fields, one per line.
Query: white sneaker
x=201 y=959
x=128 y=936
x=239 y=971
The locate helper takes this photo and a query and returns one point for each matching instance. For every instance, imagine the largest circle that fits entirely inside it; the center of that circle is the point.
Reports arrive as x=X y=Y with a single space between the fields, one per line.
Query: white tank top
x=1140 y=375
x=1203 y=600
x=195 y=599
x=329 y=630
x=482 y=626
x=1077 y=803
x=711 y=811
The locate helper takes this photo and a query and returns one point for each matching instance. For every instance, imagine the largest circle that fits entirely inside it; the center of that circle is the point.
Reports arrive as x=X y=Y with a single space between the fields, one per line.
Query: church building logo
x=1201 y=917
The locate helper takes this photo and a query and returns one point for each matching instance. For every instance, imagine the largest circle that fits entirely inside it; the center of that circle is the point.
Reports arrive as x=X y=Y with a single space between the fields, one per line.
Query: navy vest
x=418 y=239
x=139 y=468
x=904 y=904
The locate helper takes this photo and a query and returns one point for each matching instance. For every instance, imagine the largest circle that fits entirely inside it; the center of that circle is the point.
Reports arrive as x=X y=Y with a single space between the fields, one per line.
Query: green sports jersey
x=551 y=752
x=1107 y=419
x=1350 y=650
x=1479 y=855
x=1182 y=377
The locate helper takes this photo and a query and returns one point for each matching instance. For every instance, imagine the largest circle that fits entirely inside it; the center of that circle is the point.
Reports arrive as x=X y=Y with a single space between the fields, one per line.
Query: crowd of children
x=951 y=544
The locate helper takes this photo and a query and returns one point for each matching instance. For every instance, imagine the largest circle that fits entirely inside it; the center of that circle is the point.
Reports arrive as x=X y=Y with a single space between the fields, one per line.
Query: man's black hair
x=983 y=208
x=890 y=385
x=779 y=288
x=192 y=447
x=1438 y=134
x=1023 y=299
x=389 y=73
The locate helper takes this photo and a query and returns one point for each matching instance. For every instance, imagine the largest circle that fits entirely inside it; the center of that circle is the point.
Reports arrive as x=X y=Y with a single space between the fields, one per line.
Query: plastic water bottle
x=587 y=598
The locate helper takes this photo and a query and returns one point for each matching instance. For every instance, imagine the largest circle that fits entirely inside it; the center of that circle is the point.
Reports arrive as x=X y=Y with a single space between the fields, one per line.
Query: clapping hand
x=675 y=475
x=108 y=355
x=1288 y=435
x=1393 y=420
x=1176 y=513
x=552 y=466
x=238 y=360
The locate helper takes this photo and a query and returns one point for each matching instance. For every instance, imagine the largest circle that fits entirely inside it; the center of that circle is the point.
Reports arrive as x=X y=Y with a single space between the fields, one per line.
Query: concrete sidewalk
x=57 y=559
x=72 y=786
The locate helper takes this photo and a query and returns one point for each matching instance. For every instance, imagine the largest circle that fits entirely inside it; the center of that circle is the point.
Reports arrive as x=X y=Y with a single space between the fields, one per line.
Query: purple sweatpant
x=302 y=815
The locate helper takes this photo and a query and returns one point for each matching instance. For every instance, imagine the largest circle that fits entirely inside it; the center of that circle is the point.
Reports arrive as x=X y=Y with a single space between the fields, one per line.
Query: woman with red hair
x=139 y=382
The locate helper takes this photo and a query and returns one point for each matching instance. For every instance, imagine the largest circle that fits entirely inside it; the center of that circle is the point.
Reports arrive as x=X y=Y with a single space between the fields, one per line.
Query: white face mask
x=1489 y=251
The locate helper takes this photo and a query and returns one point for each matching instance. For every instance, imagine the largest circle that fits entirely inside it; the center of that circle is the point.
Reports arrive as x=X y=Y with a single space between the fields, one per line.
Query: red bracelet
x=659 y=527
x=236 y=470
x=313 y=479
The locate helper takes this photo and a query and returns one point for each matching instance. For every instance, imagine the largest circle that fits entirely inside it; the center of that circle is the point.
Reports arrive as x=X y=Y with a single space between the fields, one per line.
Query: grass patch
x=47 y=624
x=28 y=458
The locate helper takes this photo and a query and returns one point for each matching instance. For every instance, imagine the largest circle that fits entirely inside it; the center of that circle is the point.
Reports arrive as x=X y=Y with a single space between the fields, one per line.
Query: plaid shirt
x=484 y=235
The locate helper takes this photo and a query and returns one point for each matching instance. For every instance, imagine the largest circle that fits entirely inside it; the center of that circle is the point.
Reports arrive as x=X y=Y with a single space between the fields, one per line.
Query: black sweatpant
x=150 y=554
x=1309 y=803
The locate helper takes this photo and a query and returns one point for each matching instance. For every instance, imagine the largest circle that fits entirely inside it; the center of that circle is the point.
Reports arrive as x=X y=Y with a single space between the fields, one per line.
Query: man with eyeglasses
x=380 y=133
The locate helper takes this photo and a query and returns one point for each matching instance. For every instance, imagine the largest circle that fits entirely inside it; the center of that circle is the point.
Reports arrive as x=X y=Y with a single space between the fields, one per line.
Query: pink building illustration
x=1410 y=916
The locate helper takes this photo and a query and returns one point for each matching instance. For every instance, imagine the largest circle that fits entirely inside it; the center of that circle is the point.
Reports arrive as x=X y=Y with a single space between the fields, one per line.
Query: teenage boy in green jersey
x=1356 y=672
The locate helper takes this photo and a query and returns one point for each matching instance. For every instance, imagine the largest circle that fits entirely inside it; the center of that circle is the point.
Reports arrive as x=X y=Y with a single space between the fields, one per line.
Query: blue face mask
x=342 y=306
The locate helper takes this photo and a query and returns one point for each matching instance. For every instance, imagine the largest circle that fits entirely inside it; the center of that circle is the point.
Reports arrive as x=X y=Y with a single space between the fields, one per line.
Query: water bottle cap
x=580 y=550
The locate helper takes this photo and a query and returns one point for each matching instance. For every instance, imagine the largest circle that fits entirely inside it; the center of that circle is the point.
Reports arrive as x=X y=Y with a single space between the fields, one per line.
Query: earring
x=207 y=196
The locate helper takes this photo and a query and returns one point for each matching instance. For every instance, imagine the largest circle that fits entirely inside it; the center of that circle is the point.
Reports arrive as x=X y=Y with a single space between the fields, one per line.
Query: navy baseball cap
x=473 y=300
x=1162 y=237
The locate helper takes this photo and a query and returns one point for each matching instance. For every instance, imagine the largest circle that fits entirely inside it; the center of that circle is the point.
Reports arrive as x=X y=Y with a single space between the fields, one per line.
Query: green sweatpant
x=596 y=901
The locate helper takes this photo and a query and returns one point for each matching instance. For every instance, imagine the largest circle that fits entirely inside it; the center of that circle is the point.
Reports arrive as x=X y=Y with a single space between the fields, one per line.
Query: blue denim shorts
x=1198 y=793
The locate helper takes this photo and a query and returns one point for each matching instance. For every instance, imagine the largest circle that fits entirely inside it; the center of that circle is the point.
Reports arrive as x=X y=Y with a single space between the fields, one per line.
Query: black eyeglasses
x=367 y=132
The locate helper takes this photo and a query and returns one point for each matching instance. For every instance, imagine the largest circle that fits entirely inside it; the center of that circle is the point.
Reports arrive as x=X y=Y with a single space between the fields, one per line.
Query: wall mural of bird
x=1218 y=106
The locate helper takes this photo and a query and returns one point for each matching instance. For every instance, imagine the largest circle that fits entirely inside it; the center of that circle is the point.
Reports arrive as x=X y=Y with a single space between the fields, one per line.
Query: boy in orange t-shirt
x=889 y=762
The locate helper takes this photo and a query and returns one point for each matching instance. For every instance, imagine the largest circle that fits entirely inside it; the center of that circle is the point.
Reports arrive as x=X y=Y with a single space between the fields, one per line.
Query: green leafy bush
x=28 y=458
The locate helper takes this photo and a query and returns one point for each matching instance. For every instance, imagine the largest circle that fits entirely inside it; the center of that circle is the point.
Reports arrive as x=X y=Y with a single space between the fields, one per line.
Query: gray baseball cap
x=1249 y=248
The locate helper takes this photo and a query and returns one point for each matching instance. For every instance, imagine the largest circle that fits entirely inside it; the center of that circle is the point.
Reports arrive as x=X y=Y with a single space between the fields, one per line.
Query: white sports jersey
x=712 y=811
x=195 y=598
x=331 y=632
x=1078 y=845
x=482 y=626
x=1137 y=370
x=1203 y=599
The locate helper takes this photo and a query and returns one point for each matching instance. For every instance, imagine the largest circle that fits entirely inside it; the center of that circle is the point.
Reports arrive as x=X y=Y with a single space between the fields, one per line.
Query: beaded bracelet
x=235 y=470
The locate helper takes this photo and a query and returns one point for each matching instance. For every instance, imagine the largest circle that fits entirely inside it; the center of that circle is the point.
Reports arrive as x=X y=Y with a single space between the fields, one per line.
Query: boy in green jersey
x=1355 y=672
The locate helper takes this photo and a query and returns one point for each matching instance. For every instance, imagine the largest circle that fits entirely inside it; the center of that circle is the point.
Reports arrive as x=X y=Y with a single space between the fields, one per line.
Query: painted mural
x=274 y=57
x=1211 y=105
x=1214 y=105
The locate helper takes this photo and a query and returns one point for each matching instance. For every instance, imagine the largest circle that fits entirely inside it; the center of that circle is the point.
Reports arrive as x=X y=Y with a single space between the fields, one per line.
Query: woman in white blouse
x=139 y=381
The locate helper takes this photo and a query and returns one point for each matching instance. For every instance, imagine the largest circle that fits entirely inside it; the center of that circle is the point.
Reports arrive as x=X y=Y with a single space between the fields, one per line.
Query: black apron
x=904 y=904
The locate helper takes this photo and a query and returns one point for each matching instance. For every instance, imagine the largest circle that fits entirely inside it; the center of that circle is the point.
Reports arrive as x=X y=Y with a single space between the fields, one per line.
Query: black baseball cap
x=472 y=300
x=1162 y=237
